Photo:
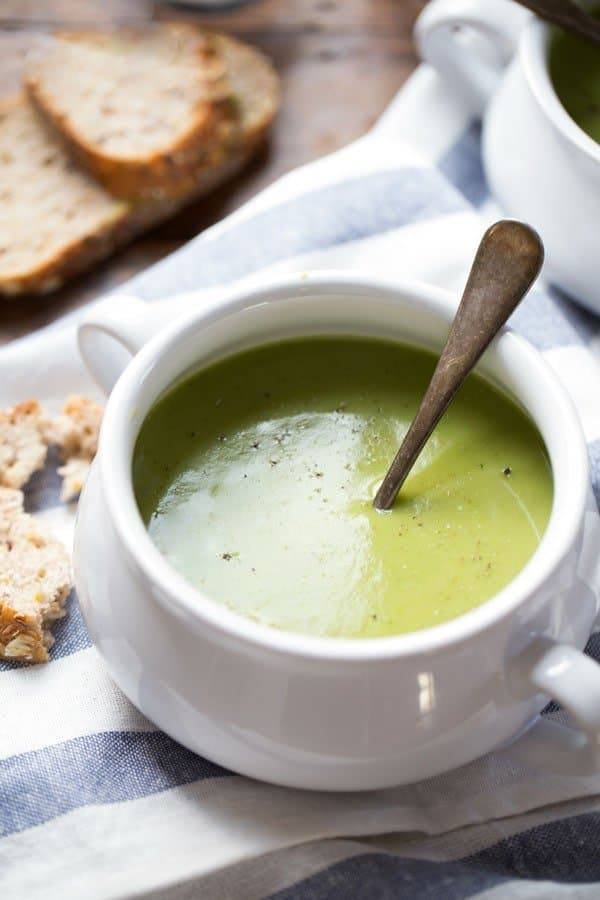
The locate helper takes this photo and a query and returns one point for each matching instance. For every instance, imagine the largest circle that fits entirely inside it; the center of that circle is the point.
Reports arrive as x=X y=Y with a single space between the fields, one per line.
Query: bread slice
x=35 y=581
x=254 y=101
x=56 y=221
x=136 y=105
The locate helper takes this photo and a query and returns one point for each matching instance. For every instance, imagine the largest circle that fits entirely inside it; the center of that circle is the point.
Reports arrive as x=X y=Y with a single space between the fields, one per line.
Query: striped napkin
x=95 y=802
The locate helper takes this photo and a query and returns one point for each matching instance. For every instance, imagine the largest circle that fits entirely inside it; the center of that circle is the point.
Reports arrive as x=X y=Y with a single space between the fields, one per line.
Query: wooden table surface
x=340 y=61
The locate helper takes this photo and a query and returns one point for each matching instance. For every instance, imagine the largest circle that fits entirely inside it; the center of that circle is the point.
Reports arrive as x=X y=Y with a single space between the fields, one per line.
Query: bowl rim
x=533 y=51
x=179 y=597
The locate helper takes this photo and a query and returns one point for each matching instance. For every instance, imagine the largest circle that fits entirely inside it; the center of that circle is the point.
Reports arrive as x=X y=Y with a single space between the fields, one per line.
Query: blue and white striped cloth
x=94 y=801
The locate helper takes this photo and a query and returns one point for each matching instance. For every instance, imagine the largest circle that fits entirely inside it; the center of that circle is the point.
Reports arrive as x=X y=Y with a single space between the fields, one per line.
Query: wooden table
x=340 y=62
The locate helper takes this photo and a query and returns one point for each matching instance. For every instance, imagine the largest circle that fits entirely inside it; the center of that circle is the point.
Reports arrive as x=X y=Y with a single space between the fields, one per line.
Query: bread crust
x=75 y=257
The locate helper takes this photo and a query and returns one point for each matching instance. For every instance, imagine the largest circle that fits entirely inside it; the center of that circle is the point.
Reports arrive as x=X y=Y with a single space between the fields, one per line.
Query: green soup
x=575 y=71
x=256 y=477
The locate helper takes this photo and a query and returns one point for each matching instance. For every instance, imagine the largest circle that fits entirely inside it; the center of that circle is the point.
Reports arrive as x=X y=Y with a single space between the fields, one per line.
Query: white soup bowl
x=329 y=713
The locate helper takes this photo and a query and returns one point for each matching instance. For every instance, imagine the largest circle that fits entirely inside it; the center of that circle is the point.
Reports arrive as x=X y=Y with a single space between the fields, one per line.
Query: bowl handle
x=573 y=679
x=113 y=331
x=470 y=43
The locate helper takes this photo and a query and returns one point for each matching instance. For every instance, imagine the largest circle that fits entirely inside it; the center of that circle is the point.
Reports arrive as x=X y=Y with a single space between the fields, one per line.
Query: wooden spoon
x=506 y=264
x=568 y=15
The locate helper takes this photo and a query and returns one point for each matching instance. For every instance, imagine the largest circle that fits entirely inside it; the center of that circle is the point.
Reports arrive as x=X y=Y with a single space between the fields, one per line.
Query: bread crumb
x=22 y=445
x=26 y=432
x=11 y=505
x=75 y=432
x=74 y=475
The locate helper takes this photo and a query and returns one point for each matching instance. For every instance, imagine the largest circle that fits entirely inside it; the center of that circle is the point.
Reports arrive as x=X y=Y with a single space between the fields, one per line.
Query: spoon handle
x=566 y=14
x=507 y=263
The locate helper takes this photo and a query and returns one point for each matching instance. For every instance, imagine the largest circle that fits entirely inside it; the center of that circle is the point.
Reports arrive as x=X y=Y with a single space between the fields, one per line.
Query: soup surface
x=256 y=477
x=575 y=72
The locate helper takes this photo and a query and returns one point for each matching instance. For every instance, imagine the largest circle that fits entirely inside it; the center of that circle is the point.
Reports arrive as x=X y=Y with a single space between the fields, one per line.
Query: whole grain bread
x=57 y=221
x=54 y=219
x=22 y=443
x=135 y=105
x=35 y=572
x=254 y=101
x=35 y=581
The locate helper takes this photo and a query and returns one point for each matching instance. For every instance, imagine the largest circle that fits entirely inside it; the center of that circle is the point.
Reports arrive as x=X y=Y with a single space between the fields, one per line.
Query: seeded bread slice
x=135 y=106
x=56 y=221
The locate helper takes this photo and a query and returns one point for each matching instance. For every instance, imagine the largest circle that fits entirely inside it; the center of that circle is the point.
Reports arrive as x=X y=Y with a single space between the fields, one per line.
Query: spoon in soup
x=507 y=262
x=568 y=15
